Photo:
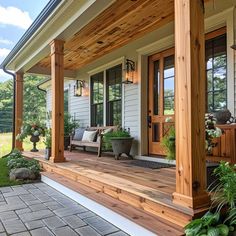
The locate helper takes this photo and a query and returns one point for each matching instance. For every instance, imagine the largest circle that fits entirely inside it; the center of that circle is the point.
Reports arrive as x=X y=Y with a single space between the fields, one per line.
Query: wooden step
x=147 y=220
x=150 y=200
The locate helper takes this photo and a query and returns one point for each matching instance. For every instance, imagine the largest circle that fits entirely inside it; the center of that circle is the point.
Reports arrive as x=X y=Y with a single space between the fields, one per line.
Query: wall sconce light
x=78 y=88
x=129 y=72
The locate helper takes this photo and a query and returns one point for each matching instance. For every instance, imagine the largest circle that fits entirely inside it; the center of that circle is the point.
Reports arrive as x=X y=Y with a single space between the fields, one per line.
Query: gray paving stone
x=53 y=222
x=3 y=234
x=14 y=226
x=8 y=215
x=32 y=202
x=22 y=234
x=100 y=225
x=41 y=232
x=21 y=211
x=37 y=215
x=86 y=214
x=120 y=233
x=67 y=211
x=11 y=207
x=38 y=207
x=87 y=231
x=64 y=231
x=74 y=221
x=43 y=198
x=34 y=224
x=28 y=186
x=6 y=189
x=1 y=228
x=53 y=205
x=14 y=200
x=28 y=197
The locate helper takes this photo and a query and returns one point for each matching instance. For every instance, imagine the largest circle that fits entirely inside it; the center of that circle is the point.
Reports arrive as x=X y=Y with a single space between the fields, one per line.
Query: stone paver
x=39 y=210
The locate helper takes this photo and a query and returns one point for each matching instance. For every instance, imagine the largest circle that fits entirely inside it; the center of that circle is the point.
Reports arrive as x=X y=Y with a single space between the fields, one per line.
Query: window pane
x=114 y=95
x=216 y=73
x=97 y=96
x=156 y=88
x=169 y=85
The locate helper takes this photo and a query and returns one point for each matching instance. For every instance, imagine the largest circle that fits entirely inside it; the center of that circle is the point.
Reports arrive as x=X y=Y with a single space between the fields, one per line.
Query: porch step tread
x=147 y=220
x=148 y=202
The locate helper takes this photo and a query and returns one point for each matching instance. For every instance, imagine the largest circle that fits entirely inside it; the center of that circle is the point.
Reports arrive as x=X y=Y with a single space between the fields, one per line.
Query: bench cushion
x=89 y=136
x=78 y=134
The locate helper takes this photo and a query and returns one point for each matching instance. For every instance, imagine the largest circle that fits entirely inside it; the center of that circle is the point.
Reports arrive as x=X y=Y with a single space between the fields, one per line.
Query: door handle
x=149 y=121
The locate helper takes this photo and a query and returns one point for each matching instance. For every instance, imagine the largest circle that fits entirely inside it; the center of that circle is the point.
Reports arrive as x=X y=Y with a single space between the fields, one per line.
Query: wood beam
x=190 y=104
x=57 y=74
x=18 y=108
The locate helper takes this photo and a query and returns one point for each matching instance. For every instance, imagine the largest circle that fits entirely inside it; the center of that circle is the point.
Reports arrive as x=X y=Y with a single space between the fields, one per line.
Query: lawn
x=6 y=143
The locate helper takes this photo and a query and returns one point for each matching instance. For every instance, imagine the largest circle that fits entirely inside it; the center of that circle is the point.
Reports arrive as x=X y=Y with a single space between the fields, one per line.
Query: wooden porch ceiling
x=121 y=23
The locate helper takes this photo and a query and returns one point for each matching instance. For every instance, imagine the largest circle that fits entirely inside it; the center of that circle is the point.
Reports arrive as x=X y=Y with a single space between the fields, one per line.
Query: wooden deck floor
x=143 y=188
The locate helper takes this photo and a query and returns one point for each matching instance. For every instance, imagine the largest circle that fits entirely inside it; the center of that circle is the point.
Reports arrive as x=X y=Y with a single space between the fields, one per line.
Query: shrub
x=168 y=142
x=15 y=154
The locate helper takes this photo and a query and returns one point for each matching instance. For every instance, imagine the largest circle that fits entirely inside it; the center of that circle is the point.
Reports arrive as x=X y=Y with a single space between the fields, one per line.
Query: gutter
x=48 y=9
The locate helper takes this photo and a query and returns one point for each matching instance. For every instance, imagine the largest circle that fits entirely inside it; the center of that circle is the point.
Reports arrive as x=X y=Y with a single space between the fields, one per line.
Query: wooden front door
x=161 y=98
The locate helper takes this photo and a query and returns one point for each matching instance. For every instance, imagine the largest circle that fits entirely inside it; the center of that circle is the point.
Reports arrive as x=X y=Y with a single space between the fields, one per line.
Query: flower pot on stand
x=34 y=139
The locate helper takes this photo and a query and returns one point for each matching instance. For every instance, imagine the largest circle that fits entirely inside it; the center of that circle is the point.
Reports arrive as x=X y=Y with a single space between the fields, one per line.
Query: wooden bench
x=97 y=144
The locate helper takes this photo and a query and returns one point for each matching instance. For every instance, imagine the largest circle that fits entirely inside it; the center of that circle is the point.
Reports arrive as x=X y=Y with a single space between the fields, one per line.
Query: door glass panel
x=155 y=132
x=156 y=88
x=169 y=85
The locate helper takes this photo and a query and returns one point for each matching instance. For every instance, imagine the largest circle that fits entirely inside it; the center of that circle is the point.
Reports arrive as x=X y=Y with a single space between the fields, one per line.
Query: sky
x=15 y=18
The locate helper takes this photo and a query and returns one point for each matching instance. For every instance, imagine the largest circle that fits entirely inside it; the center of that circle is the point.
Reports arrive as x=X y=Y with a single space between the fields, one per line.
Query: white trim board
x=114 y=218
x=155 y=159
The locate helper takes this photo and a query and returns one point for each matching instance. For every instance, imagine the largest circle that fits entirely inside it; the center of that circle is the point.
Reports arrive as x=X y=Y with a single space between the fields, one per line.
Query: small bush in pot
x=120 y=140
x=48 y=143
x=69 y=126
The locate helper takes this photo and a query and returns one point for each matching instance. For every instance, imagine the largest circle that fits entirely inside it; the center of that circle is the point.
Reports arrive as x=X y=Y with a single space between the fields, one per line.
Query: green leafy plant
x=16 y=160
x=223 y=194
x=48 y=138
x=69 y=124
x=168 y=142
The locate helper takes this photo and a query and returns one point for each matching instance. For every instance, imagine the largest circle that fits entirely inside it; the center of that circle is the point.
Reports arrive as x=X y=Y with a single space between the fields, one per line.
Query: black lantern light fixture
x=78 y=88
x=129 y=72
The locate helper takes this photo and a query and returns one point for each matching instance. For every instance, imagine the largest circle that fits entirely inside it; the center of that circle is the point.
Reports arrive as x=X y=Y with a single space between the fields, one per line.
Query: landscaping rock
x=21 y=174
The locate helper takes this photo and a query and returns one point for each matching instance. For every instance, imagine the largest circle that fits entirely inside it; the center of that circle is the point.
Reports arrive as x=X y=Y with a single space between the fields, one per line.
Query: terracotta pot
x=121 y=145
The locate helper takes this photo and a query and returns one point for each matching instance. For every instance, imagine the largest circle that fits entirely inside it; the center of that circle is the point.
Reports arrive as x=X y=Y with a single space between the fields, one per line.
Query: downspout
x=14 y=109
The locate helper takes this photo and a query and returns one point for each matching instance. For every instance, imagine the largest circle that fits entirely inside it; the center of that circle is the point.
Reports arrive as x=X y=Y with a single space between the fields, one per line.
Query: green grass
x=4 y=172
x=6 y=143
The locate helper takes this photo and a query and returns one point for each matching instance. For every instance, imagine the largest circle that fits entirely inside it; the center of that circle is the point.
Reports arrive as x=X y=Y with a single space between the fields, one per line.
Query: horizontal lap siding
x=131 y=112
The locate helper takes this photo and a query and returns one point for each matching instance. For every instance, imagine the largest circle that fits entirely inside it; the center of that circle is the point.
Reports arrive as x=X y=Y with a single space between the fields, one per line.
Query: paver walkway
x=39 y=210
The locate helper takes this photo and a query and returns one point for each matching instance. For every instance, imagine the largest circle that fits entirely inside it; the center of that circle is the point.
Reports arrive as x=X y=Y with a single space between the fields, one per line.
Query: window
x=113 y=92
x=97 y=96
x=216 y=72
x=109 y=105
x=66 y=101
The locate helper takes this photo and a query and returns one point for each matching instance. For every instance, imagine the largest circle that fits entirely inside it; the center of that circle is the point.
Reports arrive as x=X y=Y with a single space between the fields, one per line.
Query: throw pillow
x=79 y=134
x=89 y=135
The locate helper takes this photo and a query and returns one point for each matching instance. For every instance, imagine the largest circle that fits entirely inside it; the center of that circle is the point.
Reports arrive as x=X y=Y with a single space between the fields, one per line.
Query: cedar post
x=18 y=108
x=57 y=74
x=190 y=104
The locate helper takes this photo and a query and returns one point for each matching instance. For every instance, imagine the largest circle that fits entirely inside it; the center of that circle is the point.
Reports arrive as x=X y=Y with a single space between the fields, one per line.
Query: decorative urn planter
x=121 y=145
x=223 y=116
x=34 y=139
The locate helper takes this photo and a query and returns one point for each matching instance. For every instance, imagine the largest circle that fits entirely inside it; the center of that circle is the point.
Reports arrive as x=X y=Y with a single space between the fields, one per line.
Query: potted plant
x=48 y=143
x=121 y=142
x=69 y=126
x=168 y=142
x=35 y=130
x=220 y=220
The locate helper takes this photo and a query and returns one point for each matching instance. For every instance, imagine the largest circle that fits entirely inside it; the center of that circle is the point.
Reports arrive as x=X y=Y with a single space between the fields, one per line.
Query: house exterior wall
x=134 y=97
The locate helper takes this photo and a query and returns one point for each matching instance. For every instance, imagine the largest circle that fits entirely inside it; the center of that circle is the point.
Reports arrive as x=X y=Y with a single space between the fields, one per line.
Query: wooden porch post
x=18 y=108
x=57 y=74
x=190 y=104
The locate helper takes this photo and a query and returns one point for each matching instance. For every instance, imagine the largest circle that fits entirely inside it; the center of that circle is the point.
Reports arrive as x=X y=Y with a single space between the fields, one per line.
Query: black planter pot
x=211 y=178
x=34 y=139
x=121 y=145
x=66 y=142
x=47 y=154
